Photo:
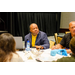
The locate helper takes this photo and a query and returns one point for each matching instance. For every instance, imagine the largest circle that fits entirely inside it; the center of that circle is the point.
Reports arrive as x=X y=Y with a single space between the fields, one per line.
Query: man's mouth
x=73 y=31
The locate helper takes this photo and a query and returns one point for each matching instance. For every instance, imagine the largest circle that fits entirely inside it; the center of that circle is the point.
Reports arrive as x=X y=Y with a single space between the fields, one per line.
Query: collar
x=37 y=34
x=33 y=35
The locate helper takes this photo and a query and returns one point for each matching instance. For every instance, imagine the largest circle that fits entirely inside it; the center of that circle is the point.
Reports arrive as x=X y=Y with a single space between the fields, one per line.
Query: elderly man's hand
x=68 y=50
x=58 y=46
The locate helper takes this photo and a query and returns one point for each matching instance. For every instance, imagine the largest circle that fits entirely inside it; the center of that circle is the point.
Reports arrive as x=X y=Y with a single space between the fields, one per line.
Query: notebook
x=19 y=42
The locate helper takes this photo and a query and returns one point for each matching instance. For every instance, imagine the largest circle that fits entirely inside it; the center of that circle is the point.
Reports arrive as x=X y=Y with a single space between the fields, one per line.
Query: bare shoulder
x=15 y=55
x=16 y=58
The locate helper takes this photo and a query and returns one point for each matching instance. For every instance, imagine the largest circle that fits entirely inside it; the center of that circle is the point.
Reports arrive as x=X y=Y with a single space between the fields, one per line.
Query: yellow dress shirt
x=33 y=40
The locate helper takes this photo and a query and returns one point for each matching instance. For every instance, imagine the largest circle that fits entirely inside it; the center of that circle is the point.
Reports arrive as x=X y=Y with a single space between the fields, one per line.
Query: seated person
x=7 y=49
x=66 y=39
x=72 y=58
x=37 y=38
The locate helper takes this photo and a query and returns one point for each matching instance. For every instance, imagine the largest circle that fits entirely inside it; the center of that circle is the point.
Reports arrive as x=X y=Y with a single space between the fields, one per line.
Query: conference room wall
x=66 y=17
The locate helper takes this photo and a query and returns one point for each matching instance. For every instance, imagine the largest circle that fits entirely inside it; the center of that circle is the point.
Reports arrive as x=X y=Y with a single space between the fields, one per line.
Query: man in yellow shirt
x=37 y=38
x=33 y=40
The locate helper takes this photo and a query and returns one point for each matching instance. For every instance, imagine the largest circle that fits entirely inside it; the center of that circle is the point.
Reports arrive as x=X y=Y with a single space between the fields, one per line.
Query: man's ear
x=30 y=30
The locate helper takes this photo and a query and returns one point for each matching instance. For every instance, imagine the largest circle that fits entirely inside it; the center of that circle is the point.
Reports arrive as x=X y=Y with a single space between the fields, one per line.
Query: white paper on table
x=25 y=55
x=45 y=56
x=42 y=55
x=21 y=54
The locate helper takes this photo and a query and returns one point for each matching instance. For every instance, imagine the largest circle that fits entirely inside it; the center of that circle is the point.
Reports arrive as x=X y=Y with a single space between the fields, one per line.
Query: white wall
x=66 y=18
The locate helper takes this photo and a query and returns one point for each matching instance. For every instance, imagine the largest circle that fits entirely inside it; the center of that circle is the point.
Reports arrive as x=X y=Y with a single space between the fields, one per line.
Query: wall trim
x=62 y=30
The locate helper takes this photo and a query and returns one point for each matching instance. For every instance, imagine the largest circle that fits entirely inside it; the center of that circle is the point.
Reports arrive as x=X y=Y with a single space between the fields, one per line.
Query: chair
x=57 y=39
x=67 y=32
x=19 y=43
x=52 y=43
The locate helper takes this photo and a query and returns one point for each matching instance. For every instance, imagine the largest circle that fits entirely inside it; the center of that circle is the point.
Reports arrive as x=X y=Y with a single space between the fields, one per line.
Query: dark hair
x=7 y=46
x=72 y=45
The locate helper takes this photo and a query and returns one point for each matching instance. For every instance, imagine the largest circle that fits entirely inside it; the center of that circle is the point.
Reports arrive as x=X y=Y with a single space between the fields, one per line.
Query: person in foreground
x=72 y=58
x=37 y=38
x=7 y=49
x=66 y=39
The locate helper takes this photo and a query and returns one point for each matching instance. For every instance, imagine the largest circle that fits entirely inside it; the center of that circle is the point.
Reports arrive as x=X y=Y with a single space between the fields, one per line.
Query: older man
x=66 y=39
x=37 y=38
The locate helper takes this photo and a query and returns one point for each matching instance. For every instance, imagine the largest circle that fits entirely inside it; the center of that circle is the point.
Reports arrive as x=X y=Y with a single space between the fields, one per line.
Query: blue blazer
x=41 y=39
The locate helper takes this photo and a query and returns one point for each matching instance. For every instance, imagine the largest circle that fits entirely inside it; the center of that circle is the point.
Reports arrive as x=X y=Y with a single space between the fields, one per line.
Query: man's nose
x=35 y=29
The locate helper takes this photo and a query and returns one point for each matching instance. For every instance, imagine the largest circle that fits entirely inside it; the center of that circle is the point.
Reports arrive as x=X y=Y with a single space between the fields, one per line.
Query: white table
x=43 y=55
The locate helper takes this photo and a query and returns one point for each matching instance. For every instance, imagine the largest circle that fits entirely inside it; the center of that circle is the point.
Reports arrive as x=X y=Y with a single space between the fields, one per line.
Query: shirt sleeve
x=61 y=60
x=66 y=59
x=45 y=42
x=16 y=58
x=63 y=41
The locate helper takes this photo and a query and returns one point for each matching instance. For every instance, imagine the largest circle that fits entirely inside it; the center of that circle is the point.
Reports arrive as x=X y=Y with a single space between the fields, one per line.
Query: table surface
x=41 y=56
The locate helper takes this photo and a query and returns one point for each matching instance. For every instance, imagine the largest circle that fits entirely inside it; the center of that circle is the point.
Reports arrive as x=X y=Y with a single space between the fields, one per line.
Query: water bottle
x=28 y=46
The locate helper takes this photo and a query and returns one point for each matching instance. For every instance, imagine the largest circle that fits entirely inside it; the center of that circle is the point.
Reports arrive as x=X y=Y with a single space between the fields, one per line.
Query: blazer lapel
x=37 y=39
x=30 y=40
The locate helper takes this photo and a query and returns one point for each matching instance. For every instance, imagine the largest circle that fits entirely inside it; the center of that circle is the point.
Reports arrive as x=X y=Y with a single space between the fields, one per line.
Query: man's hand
x=58 y=46
x=68 y=50
x=39 y=47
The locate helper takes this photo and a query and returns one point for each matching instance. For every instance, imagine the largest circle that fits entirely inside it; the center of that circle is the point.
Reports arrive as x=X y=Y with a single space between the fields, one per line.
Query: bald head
x=71 y=23
x=34 y=29
x=72 y=28
x=33 y=24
